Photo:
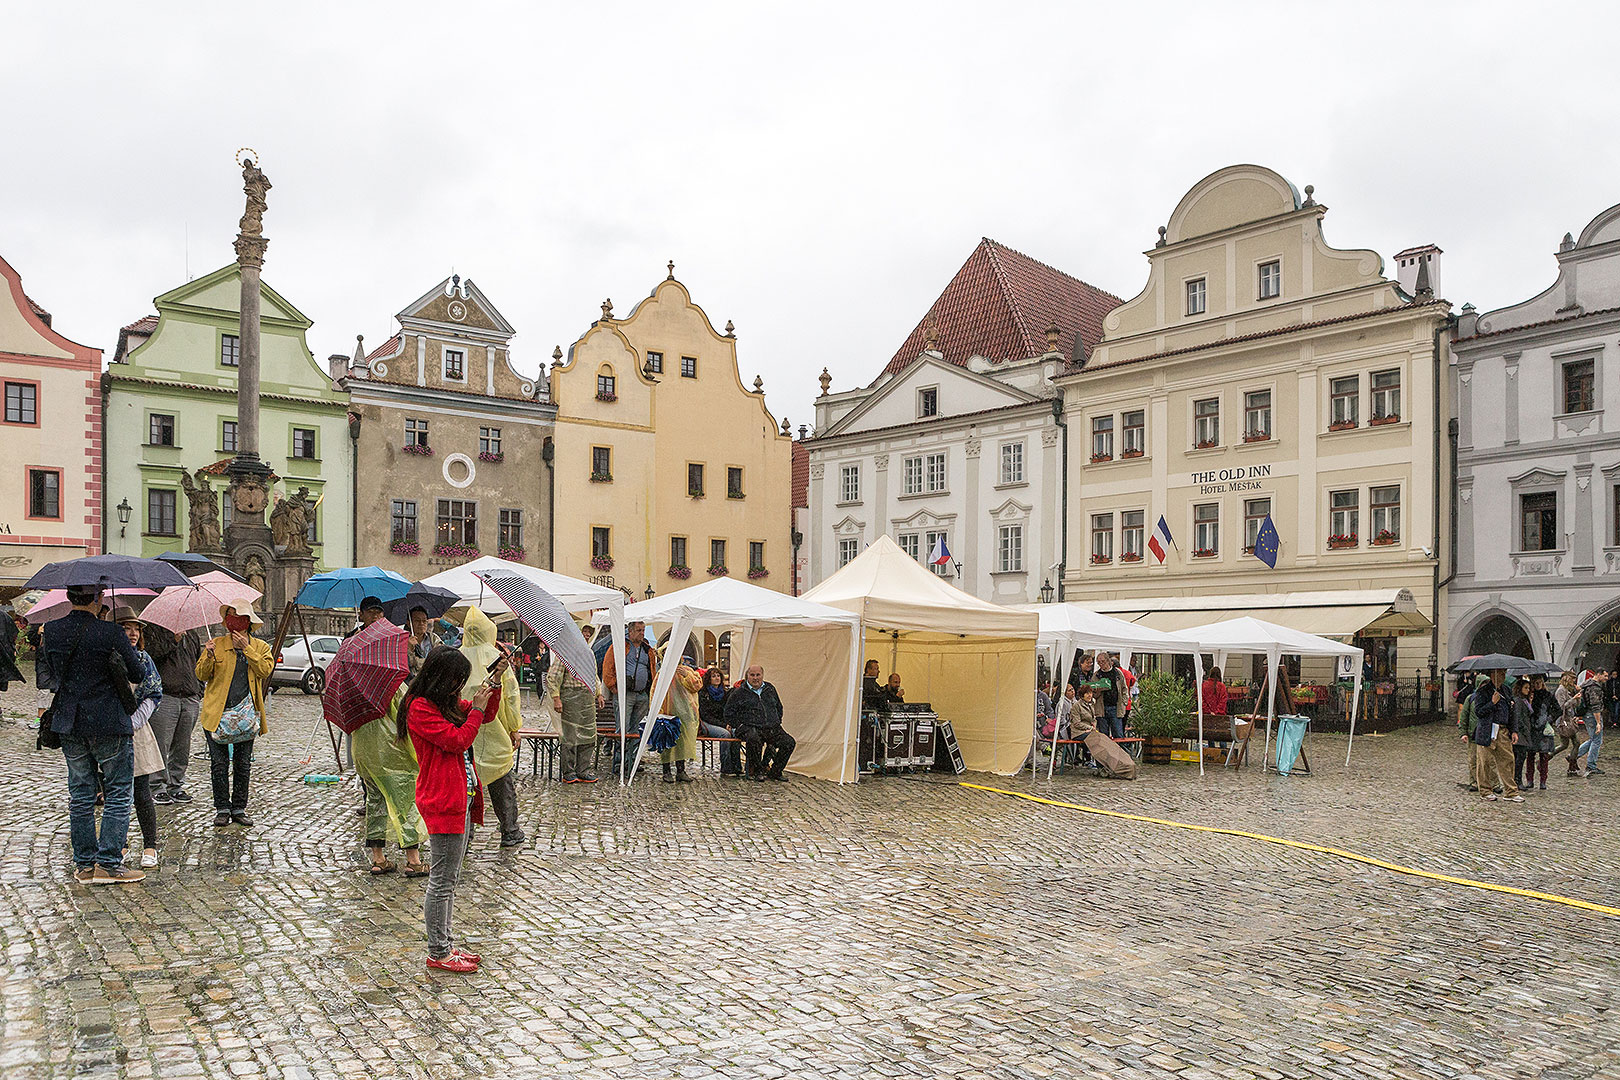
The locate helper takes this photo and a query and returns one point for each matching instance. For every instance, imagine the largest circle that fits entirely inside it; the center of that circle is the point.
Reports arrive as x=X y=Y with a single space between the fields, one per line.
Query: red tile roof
x=141 y=328
x=387 y=348
x=44 y=316
x=999 y=305
x=801 y=474
x=1537 y=325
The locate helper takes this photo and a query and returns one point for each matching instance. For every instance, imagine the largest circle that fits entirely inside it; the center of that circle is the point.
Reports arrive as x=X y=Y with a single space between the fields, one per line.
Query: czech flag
x=1160 y=542
x=940 y=555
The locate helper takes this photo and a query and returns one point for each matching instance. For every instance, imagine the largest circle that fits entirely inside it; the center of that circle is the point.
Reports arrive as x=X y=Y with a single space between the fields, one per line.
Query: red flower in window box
x=1203 y=553
x=1341 y=540
x=416 y=448
x=1341 y=425
x=456 y=551
x=1100 y=560
x=1131 y=556
x=1206 y=444
x=511 y=554
x=603 y=563
x=1131 y=454
x=493 y=456
x=1256 y=436
x=1379 y=421
x=717 y=570
x=679 y=573
x=1095 y=458
x=1385 y=538
x=1248 y=549
x=758 y=572
x=602 y=395
x=405 y=547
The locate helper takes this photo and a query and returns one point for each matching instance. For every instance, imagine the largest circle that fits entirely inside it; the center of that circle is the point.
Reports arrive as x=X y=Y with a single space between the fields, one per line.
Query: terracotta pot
x=1156 y=749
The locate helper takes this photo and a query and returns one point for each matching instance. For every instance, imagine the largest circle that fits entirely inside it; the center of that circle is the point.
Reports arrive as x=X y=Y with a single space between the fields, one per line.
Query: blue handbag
x=239 y=723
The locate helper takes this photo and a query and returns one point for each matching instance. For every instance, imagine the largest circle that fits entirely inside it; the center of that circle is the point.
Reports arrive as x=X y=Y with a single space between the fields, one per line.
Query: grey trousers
x=174 y=722
x=445 y=854
x=503 y=796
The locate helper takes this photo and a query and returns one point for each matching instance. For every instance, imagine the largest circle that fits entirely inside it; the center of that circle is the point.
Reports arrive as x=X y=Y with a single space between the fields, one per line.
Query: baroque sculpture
x=203 y=512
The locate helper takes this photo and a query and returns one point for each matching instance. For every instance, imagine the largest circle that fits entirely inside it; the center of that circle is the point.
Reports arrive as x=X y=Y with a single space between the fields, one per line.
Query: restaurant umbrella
x=347 y=586
x=363 y=677
x=430 y=598
x=186 y=607
x=107 y=572
x=191 y=564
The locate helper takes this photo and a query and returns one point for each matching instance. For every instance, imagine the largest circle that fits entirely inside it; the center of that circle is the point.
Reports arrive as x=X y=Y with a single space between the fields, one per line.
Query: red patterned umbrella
x=364 y=675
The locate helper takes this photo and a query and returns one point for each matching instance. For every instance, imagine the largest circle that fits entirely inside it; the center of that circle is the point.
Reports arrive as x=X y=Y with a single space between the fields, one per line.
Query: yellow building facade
x=668 y=469
x=1261 y=372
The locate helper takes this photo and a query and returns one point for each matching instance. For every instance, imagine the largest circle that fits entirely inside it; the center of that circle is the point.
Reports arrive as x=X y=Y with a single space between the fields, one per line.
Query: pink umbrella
x=54 y=604
x=187 y=607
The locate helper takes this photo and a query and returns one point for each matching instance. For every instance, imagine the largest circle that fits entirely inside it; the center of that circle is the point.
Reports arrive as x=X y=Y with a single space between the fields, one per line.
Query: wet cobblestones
x=900 y=928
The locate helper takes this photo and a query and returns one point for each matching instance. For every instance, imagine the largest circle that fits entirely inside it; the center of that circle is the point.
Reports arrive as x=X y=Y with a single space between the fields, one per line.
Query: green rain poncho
x=493 y=752
x=389 y=766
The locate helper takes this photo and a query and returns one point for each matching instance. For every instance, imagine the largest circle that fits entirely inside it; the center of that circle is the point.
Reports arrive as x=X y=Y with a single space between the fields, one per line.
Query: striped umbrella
x=364 y=675
x=545 y=615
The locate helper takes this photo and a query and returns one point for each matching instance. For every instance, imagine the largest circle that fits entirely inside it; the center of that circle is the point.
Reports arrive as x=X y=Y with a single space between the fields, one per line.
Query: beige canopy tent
x=810 y=653
x=972 y=660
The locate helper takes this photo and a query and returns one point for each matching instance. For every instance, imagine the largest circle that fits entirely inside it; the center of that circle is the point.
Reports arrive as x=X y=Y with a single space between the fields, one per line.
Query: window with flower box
x=455 y=365
x=1132 y=533
x=717 y=554
x=510 y=529
x=1102 y=438
x=607 y=386
x=1102 y=539
x=1386 y=514
x=734 y=482
x=1206 y=423
x=403 y=512
x=601 y=464
x=694 y=480
x=677 y=551
x=1134 y=434
x=756 y=558
x=1344 y=518
x=416 y=434
x=489 y=444
x=1386 y=396
x=602 y=544
x=457 y=523
x=1206 y=530
x=1255 y=512
x=1344 y=402
x=1257 y=416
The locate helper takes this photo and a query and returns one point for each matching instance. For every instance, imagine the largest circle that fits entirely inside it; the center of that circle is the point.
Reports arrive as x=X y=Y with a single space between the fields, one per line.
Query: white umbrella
x=187 y=607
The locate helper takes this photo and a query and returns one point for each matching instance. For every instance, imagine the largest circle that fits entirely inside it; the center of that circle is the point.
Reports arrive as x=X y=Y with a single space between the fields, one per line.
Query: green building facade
x=170 y=408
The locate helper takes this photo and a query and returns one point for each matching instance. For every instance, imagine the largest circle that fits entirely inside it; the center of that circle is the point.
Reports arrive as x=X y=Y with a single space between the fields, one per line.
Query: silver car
x=303 y=667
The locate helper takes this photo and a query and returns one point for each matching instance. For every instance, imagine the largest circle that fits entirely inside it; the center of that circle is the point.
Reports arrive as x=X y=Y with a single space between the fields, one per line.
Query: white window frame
x=1102 y=437
x=444 y=364
x=1268 y=273
x=848 y=549
x=1012 y=462
x=489 y=440
x=1253 y=521
x=928 y=548
x=1386 y=400
x=1256 y=418
x=936 y=466
x=911 y=470
x=1196 y=292
x=1010 y=549
x=1132 y=538
x=1207 y=531
x=927 y=395
x=1209 y=424
x=1384 y=515
x=849 y=484
x=911 y=544
x=1352 y=411
x=1102 y=538
x=1344 y=513
x=416 y=431
x=505 y=526
x=1127 y=445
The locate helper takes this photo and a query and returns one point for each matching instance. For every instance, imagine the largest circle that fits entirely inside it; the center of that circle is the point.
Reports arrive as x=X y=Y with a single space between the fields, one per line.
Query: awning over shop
x=1340 y=614
x=19 y=562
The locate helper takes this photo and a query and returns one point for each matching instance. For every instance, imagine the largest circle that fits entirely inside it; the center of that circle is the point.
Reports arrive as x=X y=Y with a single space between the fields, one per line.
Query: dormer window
x=1271 y=279
x=455 y=364
x=928 y=401
x=1195 y=296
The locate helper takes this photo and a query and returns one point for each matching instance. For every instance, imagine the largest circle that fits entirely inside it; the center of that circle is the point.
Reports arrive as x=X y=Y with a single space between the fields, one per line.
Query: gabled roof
x=140 y=329
x=999 y=306
x=44 y=316
x=455 y=287
x=387 y=348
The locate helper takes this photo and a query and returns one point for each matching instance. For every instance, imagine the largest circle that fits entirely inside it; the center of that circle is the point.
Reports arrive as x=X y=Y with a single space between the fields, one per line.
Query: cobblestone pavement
x=900 y=928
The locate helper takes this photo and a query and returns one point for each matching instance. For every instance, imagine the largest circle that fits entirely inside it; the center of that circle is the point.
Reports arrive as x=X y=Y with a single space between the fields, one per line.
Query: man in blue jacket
x=95 y=731
x=1493 y=739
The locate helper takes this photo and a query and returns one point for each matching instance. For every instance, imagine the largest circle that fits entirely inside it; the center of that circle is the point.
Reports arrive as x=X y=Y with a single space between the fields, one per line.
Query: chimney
x=338 y=365
x=1418 y=268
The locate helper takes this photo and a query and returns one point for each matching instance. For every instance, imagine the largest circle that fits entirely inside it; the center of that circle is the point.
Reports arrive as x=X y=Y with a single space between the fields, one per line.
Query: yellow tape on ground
x=1397 y=868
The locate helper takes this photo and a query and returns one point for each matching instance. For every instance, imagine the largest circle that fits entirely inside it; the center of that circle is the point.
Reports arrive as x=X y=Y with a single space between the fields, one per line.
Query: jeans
x=229 y=765
x=636 y=705
x=111 y=760
x=1591 y=746
x=445 y=854
x=730 y=752
x=173 y=723
x=1113 y=724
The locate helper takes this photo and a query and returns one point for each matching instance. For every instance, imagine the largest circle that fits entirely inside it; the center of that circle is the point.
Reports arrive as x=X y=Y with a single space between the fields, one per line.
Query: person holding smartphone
x=442 y=727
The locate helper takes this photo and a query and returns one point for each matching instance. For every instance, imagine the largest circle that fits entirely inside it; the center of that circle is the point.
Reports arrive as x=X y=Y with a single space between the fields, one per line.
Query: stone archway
x=1595 y=642
x=1501 y=634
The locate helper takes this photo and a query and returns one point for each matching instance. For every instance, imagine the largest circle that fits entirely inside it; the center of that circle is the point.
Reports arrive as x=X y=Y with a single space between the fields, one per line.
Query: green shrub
x=1163 y=706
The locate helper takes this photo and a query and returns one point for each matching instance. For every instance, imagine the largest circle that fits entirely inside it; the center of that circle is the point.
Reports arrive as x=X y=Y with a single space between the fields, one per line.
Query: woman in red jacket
x=1214 y=693
x=441 y=728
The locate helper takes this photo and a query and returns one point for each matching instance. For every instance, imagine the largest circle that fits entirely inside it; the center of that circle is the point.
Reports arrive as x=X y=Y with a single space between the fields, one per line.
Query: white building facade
x=1538 y=464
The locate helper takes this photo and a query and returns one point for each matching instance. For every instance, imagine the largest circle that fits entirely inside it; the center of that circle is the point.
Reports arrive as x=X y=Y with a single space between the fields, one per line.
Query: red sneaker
x=469 y=956
x=454 y=962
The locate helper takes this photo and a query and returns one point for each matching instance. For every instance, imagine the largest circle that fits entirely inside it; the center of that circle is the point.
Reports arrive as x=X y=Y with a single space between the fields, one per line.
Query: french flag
x=1160 y=542
x=940 y=555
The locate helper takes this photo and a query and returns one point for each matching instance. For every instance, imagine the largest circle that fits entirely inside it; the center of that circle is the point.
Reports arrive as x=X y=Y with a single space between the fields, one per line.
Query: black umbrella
x=1513 y=665
x=108 y=572
x=191 y=564
x=430 y=598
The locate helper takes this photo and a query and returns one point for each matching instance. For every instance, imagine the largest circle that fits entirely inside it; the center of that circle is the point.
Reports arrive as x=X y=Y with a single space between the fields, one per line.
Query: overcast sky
x=817 y=172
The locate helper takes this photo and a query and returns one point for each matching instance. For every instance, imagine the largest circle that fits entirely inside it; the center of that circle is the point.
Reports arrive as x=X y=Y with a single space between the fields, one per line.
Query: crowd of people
x=1514 y=727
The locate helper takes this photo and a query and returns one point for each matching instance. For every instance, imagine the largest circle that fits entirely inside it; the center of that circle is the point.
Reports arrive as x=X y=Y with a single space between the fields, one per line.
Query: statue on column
x=250 y=241
x=289 y=523
x=253 y=570
x=203 y=512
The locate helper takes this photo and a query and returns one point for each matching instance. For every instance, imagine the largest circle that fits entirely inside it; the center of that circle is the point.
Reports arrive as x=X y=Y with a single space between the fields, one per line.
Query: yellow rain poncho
x=389 y=768
x=682 y=703
x=493 y=751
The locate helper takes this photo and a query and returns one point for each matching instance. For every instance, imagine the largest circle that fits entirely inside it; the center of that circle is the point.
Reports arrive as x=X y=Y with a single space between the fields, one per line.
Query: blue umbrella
x=108 y=572
x=346 y=587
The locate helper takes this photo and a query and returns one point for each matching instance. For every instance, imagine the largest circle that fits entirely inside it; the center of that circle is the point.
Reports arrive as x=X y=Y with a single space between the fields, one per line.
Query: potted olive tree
x=1160 y=714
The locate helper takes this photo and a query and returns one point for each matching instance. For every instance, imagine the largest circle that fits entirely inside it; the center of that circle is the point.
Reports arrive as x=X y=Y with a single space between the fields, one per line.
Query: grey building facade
x=1538 y=465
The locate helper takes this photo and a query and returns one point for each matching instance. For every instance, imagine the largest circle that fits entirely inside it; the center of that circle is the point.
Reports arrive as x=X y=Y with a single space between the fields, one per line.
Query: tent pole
x=856 y=651
x=1355 y=705
x=616 y=625
x=1272 y=656
x=660 y=690
x=1198 y=699
x=1065 y=662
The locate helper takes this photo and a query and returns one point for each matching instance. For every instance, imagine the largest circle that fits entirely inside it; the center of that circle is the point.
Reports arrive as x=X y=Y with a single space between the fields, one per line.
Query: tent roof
x=1342 y=613
x=1248 y=635
x=890 y=590
x=576 y=595
x=1076 y=626
x=726 y=602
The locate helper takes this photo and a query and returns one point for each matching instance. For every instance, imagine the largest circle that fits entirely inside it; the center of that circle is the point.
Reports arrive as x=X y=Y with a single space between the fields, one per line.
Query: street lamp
x=649 y=593
x=1046 y=591
x=124 y=510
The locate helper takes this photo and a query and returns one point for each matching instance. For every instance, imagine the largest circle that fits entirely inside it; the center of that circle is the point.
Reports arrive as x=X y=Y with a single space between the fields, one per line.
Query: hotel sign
x=1221 y=481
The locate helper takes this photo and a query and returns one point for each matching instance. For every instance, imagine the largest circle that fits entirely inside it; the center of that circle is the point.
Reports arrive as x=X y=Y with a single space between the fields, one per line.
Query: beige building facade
x=1261 y=372
x=669 y=470
x=452 y=445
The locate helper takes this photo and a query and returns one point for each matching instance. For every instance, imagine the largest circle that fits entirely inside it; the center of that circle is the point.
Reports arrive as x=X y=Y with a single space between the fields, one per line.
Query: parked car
x=303 y=667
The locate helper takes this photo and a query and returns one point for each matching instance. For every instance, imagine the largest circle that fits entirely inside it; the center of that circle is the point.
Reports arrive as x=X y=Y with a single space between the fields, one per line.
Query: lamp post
x=649 y=594
x=1046 y=591
x=124 y=510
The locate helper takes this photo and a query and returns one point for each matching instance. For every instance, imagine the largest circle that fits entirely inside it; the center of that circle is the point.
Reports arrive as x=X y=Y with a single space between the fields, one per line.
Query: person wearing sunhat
x=235 y=670
x=148 y=756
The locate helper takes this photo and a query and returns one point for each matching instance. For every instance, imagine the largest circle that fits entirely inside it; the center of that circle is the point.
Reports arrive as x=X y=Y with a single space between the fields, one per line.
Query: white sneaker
x=149 y=860
x=1491 y=797
x=1515 y=798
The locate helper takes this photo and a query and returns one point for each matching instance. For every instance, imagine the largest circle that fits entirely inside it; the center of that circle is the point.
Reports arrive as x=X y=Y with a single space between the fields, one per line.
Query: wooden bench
x=539 y=741
x=1131 y=743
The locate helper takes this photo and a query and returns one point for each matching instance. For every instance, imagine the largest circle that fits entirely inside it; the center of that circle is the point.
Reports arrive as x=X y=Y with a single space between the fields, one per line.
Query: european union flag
x=1265 y=544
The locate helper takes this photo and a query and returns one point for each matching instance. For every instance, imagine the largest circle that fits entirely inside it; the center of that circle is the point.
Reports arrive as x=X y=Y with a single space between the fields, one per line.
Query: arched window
x=1500 y=634
x=607 y=387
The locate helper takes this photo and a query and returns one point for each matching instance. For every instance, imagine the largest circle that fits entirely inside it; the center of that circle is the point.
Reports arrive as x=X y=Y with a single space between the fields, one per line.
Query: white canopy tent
x=811 y=652
x=1068 y=627
x=1248 y=635
x=974 y=661
x=575 y=595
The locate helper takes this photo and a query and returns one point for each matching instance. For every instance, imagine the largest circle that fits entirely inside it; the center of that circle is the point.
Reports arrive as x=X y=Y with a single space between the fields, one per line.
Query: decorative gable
x=956 y=392
x=1010 y=513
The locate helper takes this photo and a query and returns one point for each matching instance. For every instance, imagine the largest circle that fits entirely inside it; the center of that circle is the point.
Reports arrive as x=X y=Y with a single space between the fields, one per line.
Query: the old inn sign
x=1220 y=481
